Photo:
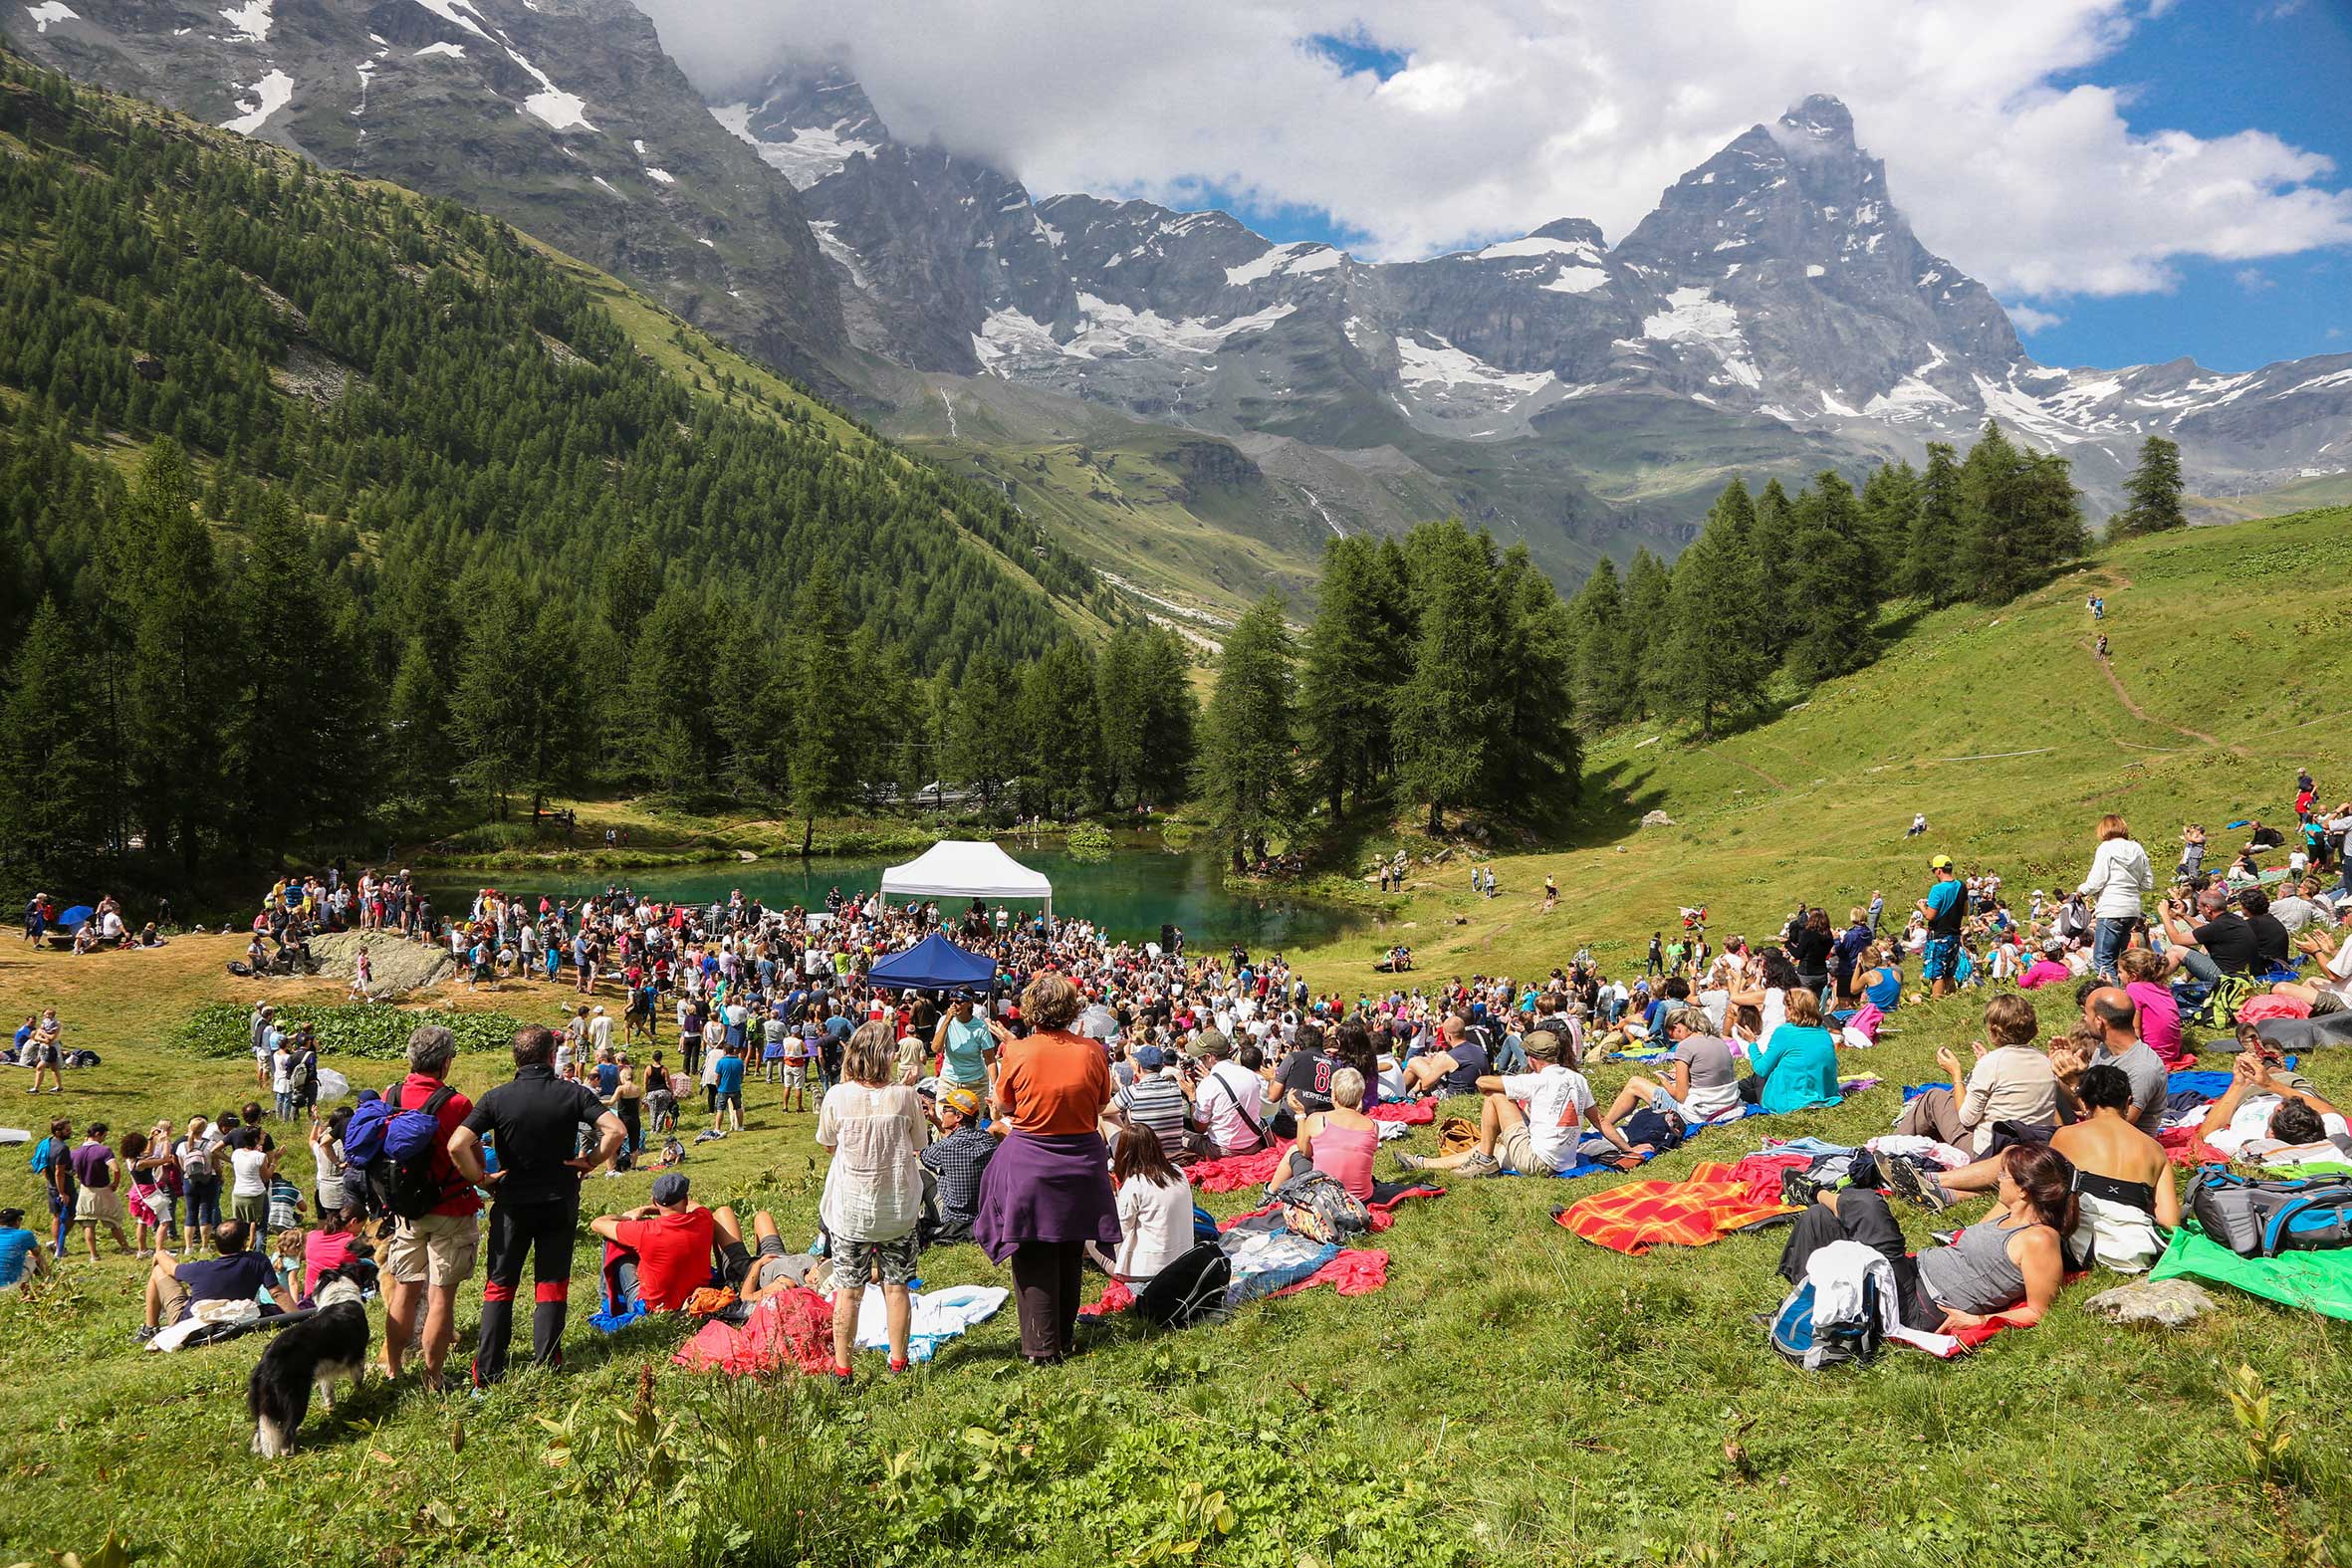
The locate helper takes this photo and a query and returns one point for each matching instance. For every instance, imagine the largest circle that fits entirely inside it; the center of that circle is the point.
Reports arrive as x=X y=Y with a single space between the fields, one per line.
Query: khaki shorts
x=437 y=1251
x=97 y=1205
x=1514 y=1151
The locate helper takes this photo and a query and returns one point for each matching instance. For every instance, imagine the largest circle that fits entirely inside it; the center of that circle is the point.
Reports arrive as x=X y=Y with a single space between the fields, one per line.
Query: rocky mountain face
x=1777 y=285
x=1775 y=315
x=563 y=116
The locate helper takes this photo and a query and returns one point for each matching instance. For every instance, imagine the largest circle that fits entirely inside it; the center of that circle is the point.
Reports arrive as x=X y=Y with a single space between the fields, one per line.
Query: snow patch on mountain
x=1695 y=317
x=456 y=11
x=448 y=50
x=1284 y=260
x=813 y=152
x=1537 y=245
x=251 y=20
x=663 y=176
x=561 y=111
x=828 y=240
x=1436 y=370
x=49 y=11
x=268 y=95
x=1578 y=280
x=1009 y=334
x=1115 y=329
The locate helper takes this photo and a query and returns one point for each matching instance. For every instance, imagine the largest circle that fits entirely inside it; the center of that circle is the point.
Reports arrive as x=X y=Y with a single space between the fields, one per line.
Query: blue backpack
x=1795 y=1336
x=395 y=1150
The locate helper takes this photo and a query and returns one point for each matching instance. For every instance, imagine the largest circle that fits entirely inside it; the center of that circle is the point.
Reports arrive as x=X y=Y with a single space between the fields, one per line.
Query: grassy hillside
x=2319 y=490
x=1514 y=1395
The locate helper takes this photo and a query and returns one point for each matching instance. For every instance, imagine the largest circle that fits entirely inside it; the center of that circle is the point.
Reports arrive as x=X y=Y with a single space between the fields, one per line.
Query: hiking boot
x=1914 y=1186
x=1479 y=1165
x=1798 y=1188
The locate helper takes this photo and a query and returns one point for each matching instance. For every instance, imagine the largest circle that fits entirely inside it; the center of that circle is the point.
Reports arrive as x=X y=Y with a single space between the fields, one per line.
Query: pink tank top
x=1345 y=1156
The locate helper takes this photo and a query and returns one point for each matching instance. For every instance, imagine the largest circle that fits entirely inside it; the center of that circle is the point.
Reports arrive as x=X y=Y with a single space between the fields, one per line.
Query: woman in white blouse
x=873 y=1190
x=1154 y=1208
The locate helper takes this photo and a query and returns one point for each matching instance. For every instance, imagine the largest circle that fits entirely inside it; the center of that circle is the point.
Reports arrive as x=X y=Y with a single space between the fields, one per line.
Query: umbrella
x=332 y=1085
x=73 y=918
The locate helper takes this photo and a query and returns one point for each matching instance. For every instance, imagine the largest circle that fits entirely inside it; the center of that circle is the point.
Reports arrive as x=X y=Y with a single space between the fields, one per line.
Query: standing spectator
x=727 y=1087
x=433 y=1253
x=533 y=1120
x=873 y=1190
x=200 y=1175
x=98 y=1175
x=49 y=1054
x=1047 y=1193
x=2119 y=878
x=1944 y=909
x=251 y=1165
x=53 y=1162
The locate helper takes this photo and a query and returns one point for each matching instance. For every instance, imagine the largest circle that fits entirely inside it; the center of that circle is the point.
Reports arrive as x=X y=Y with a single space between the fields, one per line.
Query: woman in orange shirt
x=1048 y=1192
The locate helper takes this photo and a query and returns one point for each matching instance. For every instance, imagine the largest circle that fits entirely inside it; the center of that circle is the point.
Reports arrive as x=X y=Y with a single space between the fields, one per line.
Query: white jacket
x=2120 y=875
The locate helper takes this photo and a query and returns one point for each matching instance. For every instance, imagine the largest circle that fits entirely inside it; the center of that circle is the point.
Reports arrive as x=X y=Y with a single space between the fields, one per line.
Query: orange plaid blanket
x=1704 y=1207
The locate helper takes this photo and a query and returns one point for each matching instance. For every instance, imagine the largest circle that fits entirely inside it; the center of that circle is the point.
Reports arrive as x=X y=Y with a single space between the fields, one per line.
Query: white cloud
x=1512 y=112
x=2252 y=279
x=2029 y=320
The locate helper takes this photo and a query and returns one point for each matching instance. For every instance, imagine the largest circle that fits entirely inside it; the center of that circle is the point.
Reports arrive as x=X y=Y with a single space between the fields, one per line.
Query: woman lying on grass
x=2006 y=1268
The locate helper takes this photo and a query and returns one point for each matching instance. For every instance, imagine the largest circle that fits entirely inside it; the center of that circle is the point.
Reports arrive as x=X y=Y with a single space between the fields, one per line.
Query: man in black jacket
x=533 y=1120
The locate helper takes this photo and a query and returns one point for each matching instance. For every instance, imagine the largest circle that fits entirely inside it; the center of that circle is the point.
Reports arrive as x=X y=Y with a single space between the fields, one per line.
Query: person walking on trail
x=1942 y=910
x=2102 y=645
x=533 y=1120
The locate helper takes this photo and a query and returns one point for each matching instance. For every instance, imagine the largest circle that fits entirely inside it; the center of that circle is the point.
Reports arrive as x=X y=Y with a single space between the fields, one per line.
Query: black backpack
x=1189 y=1290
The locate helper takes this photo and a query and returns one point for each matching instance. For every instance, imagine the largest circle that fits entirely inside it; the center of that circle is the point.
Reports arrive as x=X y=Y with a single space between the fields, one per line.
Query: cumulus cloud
x=2027 y=319
x=1508 y=114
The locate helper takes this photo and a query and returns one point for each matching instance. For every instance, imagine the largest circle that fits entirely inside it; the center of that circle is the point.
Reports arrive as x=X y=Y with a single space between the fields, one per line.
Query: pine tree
x=53 y=787
x=1451 y=711
x=1830 y=587
x=2019 y=517
x=1173 y=718
x=1539 y=770
x=487 y=707
x=1931 y=565
x=824 y=760
x=1060 y=733
x=2153 y=491
x=1648 y=588
x=1247 y=772
x=167 y=578
x=980 y=753
x=1348 y=681
x=1713 y=663
x=416 y=727
x=1776 y=541
x=1890 y=499
x=1604 y=652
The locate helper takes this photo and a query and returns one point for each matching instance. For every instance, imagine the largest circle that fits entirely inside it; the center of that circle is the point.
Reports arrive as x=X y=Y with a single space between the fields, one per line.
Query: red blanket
x=1702 y=1207
x=1237 y=1171
x=2184 y=1148
x=1762 y=1173
x=1409 y=1113
x=792 y=1328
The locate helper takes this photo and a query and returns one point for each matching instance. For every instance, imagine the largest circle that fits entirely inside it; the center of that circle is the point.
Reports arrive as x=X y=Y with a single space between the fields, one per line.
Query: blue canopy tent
x=934 y=964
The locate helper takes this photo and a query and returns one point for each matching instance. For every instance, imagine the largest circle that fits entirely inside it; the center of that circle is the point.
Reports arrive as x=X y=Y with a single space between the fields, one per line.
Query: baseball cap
x=1209 y=1043
x=960 y=1098
x=1150 y=1057
x=1940 y=864
x=669 y=1188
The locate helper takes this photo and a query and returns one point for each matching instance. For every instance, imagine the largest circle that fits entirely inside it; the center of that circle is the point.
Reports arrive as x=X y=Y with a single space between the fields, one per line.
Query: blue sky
x=2212 y=68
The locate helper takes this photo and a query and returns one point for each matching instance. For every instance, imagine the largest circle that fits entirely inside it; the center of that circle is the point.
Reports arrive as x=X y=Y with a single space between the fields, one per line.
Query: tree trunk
x=1437 y=818
x=808 y=835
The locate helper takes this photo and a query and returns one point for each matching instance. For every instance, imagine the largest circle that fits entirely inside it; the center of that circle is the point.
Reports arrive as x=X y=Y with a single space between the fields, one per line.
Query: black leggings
x=543 y=1234
x=1862 y=1216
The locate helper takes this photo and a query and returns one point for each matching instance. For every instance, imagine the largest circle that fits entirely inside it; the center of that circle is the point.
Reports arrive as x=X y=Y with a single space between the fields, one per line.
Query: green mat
x=2316 y=1281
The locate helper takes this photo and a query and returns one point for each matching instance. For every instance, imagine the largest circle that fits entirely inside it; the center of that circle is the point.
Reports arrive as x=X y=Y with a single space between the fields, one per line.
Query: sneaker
x=1913 y=1185
x=1409 y=1162
x=1479 y=1165
x=1798 y=1188
x=146 y=1331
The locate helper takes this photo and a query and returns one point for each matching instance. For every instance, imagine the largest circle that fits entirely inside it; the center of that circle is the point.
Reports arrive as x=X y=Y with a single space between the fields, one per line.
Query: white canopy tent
x=967 y=868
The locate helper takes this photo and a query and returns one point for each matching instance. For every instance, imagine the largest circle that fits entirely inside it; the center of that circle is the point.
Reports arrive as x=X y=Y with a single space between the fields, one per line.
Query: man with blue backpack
x=400 y=1145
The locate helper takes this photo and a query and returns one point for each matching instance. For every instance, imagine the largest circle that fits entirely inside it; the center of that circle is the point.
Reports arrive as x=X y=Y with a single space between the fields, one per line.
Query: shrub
x=226 y=1029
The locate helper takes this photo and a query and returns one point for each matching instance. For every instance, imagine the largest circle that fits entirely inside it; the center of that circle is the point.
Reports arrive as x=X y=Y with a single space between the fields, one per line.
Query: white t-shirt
x=1229 y=1091
x=1556 y=1099
x=246 y=1164
x=2248 y=1132
x=1156 y=1224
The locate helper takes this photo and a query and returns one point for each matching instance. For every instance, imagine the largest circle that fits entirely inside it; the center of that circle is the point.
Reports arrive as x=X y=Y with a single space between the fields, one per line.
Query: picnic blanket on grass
x=1705 y=1206
x=1237 y=1171
x=1408 y=1113
x=792 y=1328
x=2315 y=1282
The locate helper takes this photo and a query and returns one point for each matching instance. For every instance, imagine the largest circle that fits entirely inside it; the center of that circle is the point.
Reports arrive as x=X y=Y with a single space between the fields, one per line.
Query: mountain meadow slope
x=1514 y=1395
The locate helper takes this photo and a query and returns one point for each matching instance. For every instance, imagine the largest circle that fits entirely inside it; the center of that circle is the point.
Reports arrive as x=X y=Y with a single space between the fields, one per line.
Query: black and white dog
x=331 y=1343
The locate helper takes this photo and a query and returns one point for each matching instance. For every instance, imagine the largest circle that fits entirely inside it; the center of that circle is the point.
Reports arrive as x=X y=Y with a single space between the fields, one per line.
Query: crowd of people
x=1050 y=1118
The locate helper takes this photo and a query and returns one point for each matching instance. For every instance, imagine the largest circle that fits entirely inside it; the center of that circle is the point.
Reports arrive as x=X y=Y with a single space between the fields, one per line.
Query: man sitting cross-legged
x=1543 y=1137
